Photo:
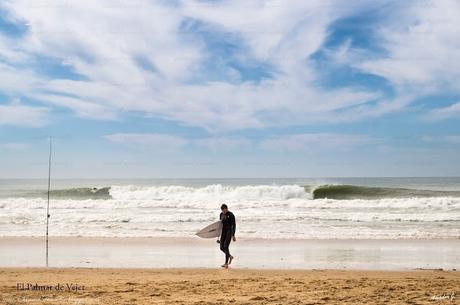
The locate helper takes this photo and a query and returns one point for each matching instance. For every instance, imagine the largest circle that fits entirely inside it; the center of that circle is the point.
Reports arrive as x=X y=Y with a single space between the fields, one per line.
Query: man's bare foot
x=230 y=260
x=225 y=266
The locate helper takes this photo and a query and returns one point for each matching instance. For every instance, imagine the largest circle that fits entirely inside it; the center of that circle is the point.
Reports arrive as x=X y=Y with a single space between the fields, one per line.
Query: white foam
x=266 y=211
x=215 y=192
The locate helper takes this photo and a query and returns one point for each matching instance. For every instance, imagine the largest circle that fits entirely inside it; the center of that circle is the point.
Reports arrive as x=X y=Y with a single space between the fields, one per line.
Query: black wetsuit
x=228 y=231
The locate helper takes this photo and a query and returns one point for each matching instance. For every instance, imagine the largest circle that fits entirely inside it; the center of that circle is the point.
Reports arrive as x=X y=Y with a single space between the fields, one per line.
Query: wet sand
x=234 y=286
x=254 y=254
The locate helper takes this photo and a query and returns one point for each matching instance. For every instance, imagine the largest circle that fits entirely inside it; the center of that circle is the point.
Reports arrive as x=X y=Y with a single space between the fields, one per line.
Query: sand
x=183 y=271
x=214 y=286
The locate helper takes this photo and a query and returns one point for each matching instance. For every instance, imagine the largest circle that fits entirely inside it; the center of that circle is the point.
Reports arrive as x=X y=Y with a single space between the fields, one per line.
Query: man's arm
x=233 y=222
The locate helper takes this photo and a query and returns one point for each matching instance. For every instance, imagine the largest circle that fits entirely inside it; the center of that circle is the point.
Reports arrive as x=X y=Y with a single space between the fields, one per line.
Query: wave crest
x=82 y=193
x=215 y=191
x=343 y=191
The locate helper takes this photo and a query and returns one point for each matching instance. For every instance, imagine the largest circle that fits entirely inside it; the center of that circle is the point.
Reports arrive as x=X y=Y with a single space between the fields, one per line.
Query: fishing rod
x=48 y=203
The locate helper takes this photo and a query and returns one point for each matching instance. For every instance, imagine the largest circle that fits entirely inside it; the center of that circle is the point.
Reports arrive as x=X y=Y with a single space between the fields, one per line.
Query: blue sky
x=140 y=89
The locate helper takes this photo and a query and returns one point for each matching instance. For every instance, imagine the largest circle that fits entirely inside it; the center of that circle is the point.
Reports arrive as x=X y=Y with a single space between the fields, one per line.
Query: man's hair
x=224 y=206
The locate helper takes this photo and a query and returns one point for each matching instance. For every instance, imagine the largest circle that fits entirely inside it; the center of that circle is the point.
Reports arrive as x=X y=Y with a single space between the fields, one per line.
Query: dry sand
x=209 y=286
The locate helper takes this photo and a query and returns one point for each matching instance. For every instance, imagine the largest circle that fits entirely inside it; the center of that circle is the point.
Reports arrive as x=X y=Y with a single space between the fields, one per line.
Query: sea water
x=308 y=208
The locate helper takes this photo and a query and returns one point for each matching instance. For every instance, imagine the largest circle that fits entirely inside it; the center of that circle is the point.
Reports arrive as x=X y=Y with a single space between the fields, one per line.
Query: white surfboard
x=211 y=231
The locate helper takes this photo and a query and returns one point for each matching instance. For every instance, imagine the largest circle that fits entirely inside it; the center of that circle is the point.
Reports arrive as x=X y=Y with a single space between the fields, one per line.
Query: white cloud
x=421 y=43
x=16 y=114
x=160 y=141
x=139 y=58
x=315 y=141
x=81 y=107
x=18 y=80
x=290 y=142
x=417 y=43
x=167 y=141
x=223 y=144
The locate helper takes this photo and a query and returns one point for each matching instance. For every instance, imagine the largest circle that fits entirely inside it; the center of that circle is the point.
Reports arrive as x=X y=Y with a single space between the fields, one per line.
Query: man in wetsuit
x=228 y=233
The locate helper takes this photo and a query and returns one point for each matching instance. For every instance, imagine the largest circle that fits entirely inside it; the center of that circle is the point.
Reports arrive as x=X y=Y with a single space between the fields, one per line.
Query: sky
x=195 y=89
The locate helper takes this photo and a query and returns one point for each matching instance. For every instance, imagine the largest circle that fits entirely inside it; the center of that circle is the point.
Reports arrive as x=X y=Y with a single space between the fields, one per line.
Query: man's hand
x=234 y=239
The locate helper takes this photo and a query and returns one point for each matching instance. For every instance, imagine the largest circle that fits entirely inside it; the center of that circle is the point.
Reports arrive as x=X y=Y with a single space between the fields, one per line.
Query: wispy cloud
x=452 y=111
x=160 y=141
x=293 y=142
x=450 y=139
x=81 y=107
x=16 y=114
x=223 y=144
x=167 y=141
x=414 y=47
x=421 y=43
x=316 y=141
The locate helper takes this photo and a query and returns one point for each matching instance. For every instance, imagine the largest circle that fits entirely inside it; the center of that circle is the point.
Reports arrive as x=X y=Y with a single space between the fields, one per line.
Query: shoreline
x=194 y=237
x=189 y=253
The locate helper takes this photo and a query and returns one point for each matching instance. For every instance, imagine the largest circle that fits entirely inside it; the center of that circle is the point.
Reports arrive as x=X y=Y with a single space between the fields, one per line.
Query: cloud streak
x=16 y=114
x=452 y=111
x=316 y=141
x=290 y=143
x=159 y=141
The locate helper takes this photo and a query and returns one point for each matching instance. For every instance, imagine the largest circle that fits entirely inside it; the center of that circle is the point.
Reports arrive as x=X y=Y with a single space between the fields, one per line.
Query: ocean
x=297 y=208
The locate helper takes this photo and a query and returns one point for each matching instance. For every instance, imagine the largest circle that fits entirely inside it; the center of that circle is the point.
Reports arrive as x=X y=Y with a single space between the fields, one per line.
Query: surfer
x=228 y=233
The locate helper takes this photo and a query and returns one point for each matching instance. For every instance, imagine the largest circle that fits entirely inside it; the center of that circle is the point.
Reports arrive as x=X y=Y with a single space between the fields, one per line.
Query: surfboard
x=211 y=231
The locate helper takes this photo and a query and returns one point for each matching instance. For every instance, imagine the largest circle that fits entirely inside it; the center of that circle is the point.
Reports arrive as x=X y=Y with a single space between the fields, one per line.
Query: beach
x=186 y=271
x=229 y=152
x=233 y=286
x=133 y=242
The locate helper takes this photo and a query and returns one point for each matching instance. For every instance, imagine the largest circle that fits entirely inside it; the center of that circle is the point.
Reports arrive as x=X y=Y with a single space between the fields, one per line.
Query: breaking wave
x=216 y=191
x=246 y=192
x=263 y=211
x=82 y=193
x=366 y=192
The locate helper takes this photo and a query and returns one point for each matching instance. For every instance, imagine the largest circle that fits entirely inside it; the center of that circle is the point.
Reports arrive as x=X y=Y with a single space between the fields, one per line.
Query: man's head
x=224 y=208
